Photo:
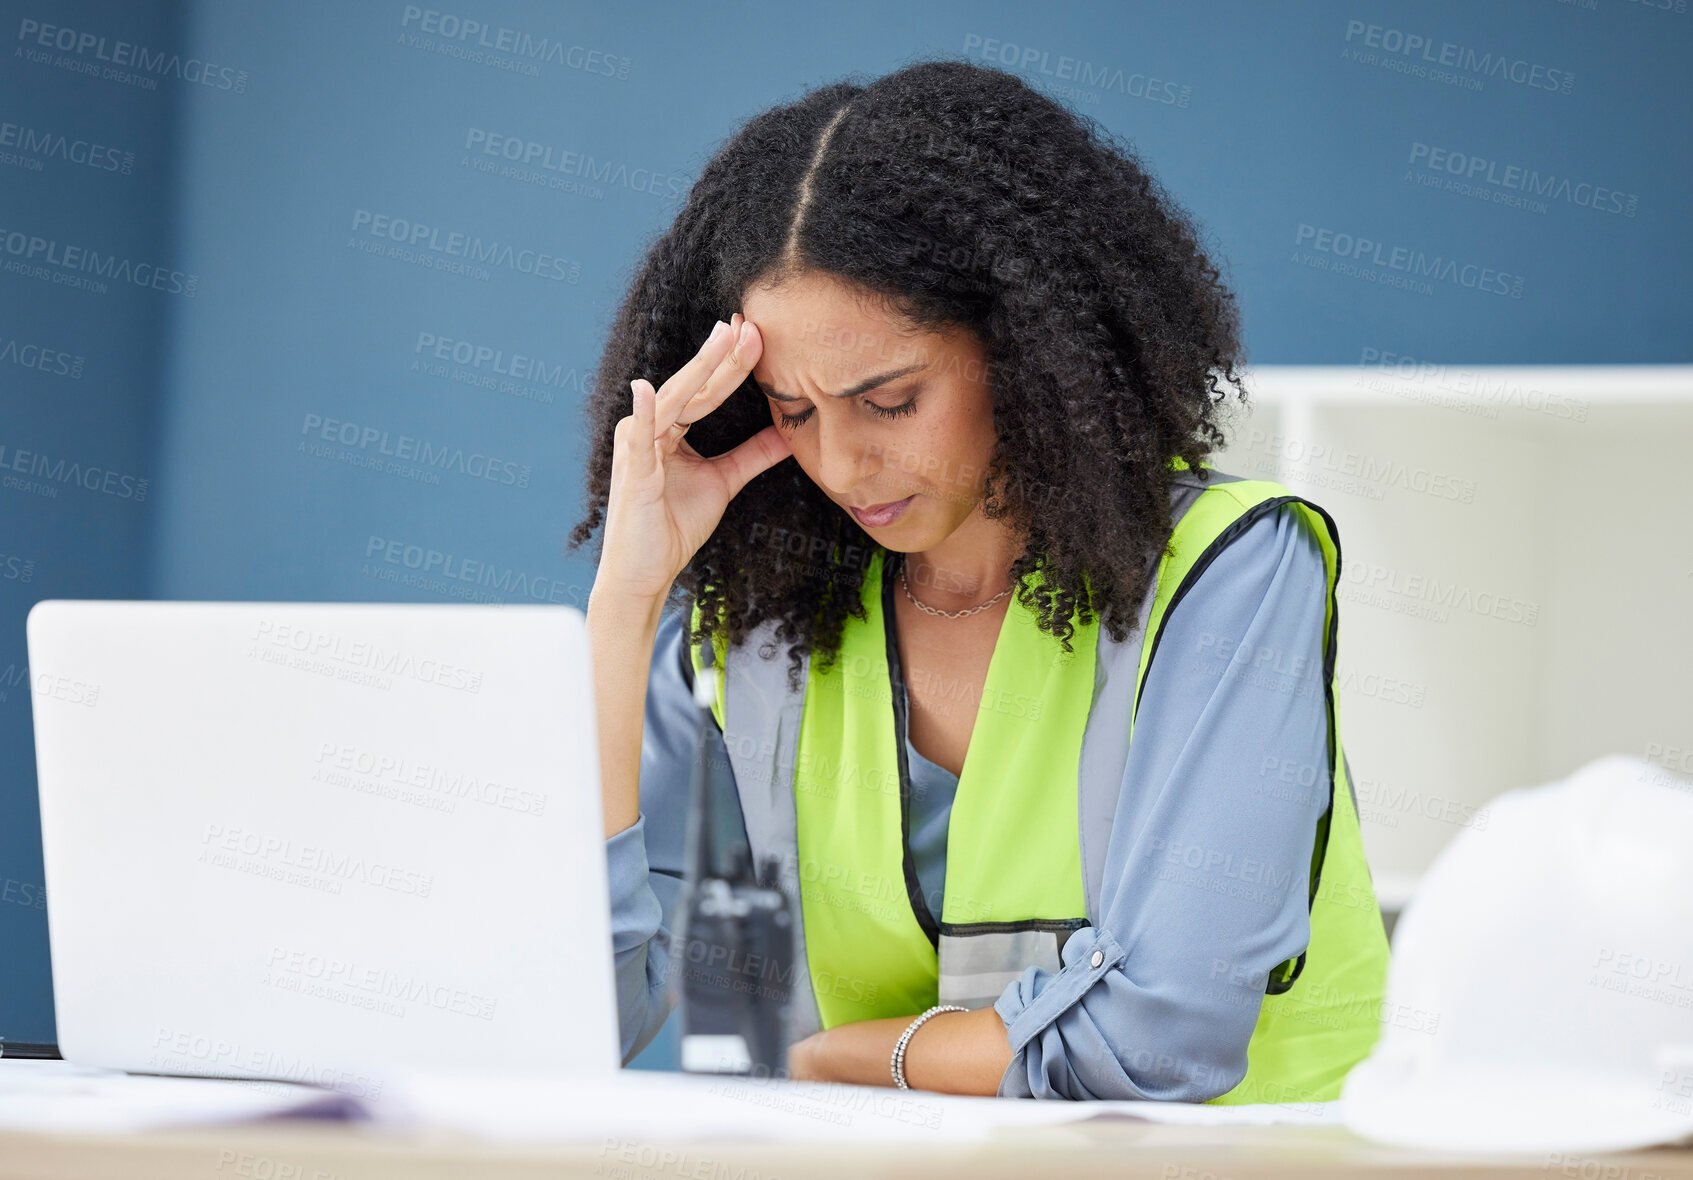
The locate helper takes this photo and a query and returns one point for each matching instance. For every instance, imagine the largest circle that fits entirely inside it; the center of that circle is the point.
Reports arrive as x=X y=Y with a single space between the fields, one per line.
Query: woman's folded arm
x=1205 y=885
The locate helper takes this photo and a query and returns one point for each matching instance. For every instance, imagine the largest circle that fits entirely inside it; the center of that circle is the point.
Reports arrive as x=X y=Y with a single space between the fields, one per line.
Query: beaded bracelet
x=898 y=1063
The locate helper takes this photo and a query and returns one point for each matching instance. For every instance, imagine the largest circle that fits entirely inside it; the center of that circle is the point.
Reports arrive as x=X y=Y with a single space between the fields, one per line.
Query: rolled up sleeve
x=1205 y=884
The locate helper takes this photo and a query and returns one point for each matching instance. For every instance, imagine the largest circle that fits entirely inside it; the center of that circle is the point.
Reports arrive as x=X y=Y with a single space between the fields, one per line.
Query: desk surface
x=305 y=1150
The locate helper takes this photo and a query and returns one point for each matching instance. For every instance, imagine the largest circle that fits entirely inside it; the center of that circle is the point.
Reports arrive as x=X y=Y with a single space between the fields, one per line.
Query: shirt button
x=1098 y=958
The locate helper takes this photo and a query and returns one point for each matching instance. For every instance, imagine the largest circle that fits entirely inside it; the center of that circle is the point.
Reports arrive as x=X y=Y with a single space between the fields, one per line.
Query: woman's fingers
x=642 y=457
x=730 y=375
x=762 y=451
x=680 y=389
x=734 y=360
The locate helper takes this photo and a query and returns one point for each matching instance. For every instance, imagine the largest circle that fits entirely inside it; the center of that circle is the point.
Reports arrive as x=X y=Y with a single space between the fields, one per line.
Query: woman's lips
x=883 y=515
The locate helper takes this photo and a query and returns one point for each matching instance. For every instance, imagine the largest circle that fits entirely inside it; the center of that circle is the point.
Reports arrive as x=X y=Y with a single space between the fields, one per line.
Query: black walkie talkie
x=733 y=954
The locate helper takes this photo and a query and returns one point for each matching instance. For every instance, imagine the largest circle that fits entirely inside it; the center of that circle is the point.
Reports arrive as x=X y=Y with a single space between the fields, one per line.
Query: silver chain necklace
x=947 y=614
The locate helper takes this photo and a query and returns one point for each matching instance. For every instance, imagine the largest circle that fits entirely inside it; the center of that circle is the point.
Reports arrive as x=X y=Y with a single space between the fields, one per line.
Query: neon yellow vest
x=1013 y=866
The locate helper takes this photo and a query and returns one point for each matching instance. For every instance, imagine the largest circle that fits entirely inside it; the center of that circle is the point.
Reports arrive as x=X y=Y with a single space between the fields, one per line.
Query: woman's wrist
x=853 y=1054
x=896 y=1064
x=953 y=1052
x=624 y=605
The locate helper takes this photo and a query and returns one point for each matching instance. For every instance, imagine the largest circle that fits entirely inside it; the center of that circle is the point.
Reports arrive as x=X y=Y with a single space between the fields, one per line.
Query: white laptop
x=322 y=842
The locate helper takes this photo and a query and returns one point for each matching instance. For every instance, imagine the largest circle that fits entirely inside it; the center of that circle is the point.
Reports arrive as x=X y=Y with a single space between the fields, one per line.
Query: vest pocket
x=979 y=960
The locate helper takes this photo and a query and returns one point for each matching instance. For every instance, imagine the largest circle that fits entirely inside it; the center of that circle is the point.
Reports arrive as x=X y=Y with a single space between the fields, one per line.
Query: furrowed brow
x=856 y=390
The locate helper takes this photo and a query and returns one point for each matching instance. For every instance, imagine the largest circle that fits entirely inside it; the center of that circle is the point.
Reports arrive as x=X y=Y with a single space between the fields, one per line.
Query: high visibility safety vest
x=824 y=790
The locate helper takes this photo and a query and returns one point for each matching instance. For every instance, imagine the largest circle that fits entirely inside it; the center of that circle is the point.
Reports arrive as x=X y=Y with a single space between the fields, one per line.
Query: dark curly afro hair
x=960 y=197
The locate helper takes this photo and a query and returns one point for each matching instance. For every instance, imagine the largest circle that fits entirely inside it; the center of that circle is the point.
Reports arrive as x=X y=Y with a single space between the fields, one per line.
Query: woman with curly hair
x=991 y=346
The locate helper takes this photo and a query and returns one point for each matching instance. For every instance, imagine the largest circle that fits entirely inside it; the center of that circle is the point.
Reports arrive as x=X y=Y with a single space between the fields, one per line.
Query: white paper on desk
x=651 y=1106
x=57 y=1096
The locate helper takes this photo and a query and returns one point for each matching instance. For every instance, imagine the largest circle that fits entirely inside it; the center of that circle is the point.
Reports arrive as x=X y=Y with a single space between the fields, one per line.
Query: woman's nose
x=843 y=458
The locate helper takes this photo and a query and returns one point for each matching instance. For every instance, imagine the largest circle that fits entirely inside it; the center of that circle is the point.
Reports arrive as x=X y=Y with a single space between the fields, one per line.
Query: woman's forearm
x=622 y=629
x=953 y=1053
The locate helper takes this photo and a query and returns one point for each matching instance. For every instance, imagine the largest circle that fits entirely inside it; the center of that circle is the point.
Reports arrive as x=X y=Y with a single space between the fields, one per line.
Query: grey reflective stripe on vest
x=761 y=735
x=976 y=967
x=1105 y=743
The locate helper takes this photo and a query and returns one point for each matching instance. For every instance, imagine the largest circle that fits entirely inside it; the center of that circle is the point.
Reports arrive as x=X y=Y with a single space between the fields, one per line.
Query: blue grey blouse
x=1206 y=876
x=932 y=791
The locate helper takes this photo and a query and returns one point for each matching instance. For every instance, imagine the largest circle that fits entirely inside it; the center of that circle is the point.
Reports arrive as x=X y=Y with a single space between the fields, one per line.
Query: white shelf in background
x=1538 y=388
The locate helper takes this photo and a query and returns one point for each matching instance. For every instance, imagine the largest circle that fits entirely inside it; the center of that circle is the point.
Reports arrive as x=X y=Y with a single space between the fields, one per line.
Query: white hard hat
x=1540 y=997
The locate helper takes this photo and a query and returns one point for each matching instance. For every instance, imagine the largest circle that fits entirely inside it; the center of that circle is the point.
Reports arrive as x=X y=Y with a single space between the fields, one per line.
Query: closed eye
x=794 y=421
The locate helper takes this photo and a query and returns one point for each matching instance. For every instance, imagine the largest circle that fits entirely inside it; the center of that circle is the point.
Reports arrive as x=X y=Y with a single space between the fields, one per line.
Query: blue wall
x=87 y=167
x=267 y=153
